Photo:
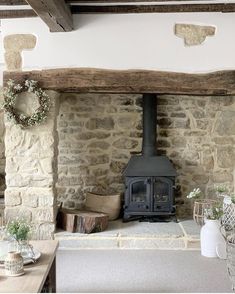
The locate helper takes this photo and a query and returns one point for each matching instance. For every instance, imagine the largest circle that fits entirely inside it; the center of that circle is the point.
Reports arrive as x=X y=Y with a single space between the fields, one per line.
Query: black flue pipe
x=149 y=147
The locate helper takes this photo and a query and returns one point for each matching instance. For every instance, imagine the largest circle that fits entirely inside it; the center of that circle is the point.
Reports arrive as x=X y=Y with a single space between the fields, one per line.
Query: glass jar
x=24 y=248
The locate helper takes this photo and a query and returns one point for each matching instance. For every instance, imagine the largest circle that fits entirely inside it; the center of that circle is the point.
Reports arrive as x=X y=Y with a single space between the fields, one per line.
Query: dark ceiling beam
x=126 y=1
x=23 y=2
x=60 y=20
x=167 y=8
x=90 y=80
x=17 y=13
x=12 y=2
x=55 y=13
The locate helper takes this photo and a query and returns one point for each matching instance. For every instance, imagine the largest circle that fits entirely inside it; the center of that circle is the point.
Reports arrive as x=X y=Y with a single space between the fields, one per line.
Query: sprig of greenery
x=18 y=229
x=222 y=189
x=215 y=212
x=195 y=194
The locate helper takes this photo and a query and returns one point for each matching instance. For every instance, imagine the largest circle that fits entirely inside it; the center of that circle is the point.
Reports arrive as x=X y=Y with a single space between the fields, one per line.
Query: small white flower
x=194 y=194
x=18 y=87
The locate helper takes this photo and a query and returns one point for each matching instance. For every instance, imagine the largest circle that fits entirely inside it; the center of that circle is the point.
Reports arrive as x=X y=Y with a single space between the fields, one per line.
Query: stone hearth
x=136 y=235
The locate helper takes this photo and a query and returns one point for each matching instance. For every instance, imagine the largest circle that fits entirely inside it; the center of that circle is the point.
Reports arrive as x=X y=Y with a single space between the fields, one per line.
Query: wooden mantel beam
x=55 y=13
x=23 y=2
x=129 y=81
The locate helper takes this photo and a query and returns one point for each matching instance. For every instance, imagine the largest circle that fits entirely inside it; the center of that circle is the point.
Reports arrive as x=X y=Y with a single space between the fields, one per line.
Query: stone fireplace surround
x=92 y=134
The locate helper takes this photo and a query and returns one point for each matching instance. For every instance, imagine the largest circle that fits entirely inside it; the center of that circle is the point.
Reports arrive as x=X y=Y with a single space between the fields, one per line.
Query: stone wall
x=198 y=133
x=96 y=135
x=98 y=132
x=31 y=169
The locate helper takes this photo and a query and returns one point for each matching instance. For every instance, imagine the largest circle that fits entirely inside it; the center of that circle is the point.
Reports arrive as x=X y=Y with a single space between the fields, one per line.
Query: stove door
x=138 y=194
x=162 y=194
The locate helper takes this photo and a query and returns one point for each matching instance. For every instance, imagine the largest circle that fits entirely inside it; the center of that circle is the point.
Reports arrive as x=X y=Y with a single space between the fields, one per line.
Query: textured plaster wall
x=129 y=41
x=97 y=134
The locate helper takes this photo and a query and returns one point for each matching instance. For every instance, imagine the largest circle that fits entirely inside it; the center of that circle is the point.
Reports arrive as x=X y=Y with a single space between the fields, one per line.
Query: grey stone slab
x=162 y=230
x=191 y=229
x=134 y=228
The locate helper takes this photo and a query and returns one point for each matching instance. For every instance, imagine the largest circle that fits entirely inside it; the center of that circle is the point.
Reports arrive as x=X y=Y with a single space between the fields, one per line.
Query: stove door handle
x=147 y=181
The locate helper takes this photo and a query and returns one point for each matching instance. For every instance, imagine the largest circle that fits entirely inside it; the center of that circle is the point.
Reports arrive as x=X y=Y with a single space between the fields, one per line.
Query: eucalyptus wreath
x=10 y=94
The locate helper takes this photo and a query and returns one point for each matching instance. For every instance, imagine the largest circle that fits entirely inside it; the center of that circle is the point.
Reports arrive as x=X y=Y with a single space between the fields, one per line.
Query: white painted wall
x=144 y=41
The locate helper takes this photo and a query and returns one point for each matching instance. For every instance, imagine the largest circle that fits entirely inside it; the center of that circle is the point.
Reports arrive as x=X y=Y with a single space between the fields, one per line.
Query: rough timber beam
x=88 y=80
x=55 y=13
x=128 y=1
x=17 y=13
x=23 y=2
x=166 y=8
x=13 y=2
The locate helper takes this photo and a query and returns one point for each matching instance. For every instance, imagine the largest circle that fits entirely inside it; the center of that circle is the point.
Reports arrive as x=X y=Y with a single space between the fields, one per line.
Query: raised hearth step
x=184 y=235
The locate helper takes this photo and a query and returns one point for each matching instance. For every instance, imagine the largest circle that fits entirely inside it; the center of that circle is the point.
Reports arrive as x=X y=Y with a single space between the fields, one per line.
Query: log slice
x=76 y=221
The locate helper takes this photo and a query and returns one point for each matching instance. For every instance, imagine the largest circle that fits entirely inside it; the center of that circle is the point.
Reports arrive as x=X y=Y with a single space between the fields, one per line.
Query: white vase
x=211 y=238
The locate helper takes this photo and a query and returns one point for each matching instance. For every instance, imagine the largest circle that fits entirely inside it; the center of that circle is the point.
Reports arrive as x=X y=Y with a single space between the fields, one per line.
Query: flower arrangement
x=18 y=229
x=195 y=194
x=10 y=94
x=203 y=208
x=223 y=191
x=215 y=212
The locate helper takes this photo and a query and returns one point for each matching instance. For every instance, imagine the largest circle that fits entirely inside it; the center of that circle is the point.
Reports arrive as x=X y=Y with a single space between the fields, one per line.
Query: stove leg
x=175 y=220
x=127 y=218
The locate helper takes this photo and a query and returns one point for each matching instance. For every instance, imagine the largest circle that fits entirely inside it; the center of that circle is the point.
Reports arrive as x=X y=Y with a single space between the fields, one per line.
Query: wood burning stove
x=149 y=178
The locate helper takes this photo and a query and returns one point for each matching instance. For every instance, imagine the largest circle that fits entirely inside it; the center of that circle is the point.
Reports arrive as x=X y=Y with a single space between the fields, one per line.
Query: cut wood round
x=87 y=222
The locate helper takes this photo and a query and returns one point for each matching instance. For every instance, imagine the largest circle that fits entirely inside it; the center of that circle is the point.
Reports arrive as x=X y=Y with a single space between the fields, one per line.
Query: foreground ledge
x=135 y=235
x=129 y=81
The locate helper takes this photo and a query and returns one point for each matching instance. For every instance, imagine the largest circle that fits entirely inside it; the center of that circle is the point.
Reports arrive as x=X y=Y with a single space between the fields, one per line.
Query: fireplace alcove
x=109 y=81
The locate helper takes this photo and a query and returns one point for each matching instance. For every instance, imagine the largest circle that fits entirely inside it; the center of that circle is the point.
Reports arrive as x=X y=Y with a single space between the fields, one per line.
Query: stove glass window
x=138 y=192
x=161 y=190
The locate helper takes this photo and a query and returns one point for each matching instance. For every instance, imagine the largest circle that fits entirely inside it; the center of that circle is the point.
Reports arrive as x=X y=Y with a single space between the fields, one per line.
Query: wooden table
x=38 y=275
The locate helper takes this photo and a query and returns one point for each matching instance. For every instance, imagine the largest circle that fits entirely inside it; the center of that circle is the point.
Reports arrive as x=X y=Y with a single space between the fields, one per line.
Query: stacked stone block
x=31 y=170
x=98 y=133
